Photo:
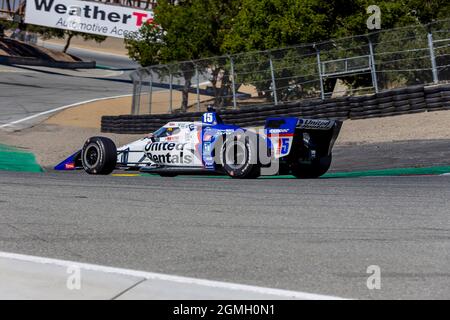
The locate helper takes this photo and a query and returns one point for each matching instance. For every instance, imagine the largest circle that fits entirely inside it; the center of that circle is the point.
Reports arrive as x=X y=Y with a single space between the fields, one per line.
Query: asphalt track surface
x=28 y=90
x=315 y=236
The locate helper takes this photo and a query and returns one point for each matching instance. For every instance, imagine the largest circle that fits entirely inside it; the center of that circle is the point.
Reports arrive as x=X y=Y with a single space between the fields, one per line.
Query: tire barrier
x=407 y=100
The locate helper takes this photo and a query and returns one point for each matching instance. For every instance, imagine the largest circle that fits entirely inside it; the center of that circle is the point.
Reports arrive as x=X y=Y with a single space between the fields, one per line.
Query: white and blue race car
x=288 y=145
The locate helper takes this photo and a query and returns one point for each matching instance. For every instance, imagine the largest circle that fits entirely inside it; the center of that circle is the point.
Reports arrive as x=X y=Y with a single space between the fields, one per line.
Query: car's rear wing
x=282 y=132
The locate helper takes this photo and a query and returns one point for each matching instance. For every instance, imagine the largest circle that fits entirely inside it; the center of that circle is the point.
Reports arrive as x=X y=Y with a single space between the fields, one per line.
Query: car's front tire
x=99 y=156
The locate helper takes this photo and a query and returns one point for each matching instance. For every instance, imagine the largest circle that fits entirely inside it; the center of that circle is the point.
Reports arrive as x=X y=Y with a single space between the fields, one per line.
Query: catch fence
x=352 y=66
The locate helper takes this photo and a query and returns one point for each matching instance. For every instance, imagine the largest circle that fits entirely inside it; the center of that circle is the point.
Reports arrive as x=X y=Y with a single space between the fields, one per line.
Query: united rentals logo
x=169 y=153
x=87 y=17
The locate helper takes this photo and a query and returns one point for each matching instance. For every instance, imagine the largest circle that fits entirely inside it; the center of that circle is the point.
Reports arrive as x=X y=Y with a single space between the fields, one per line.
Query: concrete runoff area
x=315 y=236
x=29 y=277
x=27 y=280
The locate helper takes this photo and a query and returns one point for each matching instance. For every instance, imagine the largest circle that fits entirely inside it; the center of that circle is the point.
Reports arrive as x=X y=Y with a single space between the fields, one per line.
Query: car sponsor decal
x=87 y=17
x=69 y=166
x=314 y=124
x=169 y=153
x=278 y=131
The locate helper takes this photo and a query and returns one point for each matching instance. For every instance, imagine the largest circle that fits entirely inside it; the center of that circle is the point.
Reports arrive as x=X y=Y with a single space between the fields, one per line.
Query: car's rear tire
x=315 y=169
x=240 y=160
x=99 y=156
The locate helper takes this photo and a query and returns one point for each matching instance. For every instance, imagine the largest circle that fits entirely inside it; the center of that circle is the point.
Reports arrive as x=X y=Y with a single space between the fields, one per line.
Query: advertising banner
x=85 y=16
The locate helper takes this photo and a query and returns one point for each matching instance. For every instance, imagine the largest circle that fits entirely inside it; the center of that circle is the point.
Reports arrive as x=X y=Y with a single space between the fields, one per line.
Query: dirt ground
x=90 y=115
x=419 y=126
x=64 y=133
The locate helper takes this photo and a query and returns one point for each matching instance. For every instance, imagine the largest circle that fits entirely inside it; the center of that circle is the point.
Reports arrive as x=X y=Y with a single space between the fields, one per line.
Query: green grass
x=13 y=159
x=352 y=174
x=391 y=172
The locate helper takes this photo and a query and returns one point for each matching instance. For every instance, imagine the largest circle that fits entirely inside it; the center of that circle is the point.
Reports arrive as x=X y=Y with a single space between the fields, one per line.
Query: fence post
x=433 y=58
x=274 y=86
x=134 y=108
x=233 y=85
x=171 y=92
x=137 y=86
x=319 y=68
x=150 y=93
x=197 y=78
x=372 y=67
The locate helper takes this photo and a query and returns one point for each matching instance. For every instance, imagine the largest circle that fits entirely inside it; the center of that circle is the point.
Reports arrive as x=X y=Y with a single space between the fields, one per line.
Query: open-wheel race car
x=287 y=145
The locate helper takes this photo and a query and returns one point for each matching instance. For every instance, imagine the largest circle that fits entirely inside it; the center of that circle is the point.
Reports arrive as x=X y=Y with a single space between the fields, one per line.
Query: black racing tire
x=314 y=170
x=167 y=174
x=99 y=156
x=247 y=166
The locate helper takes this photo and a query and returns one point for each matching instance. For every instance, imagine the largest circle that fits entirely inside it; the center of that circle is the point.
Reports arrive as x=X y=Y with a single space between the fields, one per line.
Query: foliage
x=196 y=29
x=185 y=31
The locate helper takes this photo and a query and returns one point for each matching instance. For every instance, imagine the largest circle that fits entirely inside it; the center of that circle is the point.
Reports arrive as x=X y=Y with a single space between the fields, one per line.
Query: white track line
x=37 y=115
x=164 y=277
x=61 y=108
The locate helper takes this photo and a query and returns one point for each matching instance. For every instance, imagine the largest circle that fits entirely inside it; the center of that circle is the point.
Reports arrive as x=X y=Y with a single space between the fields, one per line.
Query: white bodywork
x=175 y=144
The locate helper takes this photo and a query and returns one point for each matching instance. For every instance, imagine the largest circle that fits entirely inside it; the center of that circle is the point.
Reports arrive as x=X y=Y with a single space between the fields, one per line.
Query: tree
x=183 y=31
x=268 y=24
x=195 y=29
x=271 y=24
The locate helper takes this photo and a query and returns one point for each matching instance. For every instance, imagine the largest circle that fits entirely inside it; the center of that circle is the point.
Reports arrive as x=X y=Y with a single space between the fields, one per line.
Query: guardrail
x=408 y=100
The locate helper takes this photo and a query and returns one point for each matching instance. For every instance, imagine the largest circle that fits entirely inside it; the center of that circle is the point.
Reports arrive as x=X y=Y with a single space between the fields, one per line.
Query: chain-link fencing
x=358 y=65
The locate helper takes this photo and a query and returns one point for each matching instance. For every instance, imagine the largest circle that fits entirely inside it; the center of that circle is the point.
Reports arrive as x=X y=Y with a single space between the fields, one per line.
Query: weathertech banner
x=86 y=16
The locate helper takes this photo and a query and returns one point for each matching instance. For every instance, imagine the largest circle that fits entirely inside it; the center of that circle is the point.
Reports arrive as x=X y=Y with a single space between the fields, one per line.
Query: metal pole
x=171 y=92
x=433 y=58
x=372 y=67
x=233 y=86
x=274 y=86
x=134 y=110
x=150 y=94
x=138 y=96
x=319 y=68
x=197 y=77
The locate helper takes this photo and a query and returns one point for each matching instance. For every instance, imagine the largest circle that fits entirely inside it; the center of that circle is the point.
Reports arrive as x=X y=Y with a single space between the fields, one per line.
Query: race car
x=286 y=145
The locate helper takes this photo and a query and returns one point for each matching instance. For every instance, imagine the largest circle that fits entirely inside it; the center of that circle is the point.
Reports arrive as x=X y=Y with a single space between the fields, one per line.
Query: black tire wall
x=407 y=100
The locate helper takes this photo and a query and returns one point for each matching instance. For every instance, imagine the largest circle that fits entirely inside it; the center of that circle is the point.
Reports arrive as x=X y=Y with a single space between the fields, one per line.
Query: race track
x=315 y=236
x=26 y=90
x=101 y=58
